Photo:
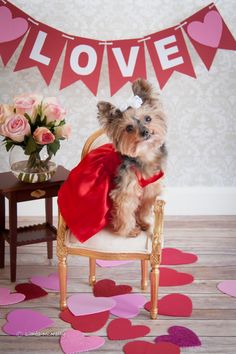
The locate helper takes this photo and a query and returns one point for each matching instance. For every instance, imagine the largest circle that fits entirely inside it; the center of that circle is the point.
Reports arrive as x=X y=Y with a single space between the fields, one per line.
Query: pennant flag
x=13 y=27
x=126 y=62
x=208 y=32
x=43 y=48
x=168 y=53
x=83 y=61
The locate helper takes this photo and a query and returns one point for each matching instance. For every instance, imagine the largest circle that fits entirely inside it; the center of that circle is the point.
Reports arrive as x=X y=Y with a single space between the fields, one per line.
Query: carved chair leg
x=92 y=271
x=62 y=269
x=154 y=280
x=144 y=274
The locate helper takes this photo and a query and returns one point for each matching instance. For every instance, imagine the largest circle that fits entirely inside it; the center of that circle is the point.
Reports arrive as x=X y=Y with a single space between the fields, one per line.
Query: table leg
x=2 y=228
x=48 y=209
x=13 y=236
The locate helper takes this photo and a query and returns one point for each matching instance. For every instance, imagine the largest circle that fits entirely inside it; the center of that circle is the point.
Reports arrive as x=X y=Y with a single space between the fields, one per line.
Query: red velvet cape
x=83 y=198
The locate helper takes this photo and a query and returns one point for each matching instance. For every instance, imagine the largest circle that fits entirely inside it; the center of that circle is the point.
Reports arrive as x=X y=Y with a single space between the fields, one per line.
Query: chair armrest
x=155 y=257
x=61 y=231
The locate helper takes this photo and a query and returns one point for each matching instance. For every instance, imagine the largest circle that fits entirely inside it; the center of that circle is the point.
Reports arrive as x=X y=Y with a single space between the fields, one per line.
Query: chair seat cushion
x=108 y=242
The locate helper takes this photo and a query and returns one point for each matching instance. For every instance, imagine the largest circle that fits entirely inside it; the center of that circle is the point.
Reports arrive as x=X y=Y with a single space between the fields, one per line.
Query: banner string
x=4 y=2
x=181 y=25
x=105 y=43
x=144 y=39
x=66 y=36
x=33 y=21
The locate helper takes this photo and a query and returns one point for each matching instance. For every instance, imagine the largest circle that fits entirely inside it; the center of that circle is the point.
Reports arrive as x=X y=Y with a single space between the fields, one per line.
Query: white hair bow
x=133 y=101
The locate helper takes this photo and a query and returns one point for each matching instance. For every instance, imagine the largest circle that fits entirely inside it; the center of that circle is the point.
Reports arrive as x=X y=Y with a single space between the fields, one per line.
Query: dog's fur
x=139 y=136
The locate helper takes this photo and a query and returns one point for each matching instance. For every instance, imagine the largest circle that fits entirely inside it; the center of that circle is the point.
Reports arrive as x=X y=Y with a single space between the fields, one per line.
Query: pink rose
x=43 y=136
x=15 y=127
x=64 y=131
x=52 y=110
x=27 y=103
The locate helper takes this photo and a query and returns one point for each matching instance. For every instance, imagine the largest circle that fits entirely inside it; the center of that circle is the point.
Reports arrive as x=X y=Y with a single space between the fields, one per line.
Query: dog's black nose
x=144 y=133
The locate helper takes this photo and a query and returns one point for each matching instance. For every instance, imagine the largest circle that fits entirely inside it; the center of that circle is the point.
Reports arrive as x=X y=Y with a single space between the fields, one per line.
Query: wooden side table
x=16 y=191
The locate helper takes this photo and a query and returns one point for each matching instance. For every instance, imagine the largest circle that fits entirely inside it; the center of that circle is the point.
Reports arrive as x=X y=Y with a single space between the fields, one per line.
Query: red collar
x=144 y=182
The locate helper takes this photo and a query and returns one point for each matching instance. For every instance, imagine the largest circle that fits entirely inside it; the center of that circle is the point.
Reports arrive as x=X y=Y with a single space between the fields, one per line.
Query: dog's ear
x=107 y=113
x=143 y=89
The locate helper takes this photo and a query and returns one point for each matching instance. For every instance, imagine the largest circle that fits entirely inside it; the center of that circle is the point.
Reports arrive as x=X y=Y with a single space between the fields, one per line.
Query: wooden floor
x=213 y=239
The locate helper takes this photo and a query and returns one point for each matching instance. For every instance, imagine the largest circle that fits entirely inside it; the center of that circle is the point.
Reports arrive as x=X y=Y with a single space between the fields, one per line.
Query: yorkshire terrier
x=138 y=133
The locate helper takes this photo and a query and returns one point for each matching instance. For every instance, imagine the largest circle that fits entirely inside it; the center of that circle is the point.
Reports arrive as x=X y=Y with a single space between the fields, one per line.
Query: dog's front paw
x=134 y=232
x=144 y=225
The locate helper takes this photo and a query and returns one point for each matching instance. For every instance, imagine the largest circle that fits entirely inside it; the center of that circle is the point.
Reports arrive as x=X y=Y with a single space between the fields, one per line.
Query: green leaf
x=9 y=144
x=31 y=146
x=54 y=147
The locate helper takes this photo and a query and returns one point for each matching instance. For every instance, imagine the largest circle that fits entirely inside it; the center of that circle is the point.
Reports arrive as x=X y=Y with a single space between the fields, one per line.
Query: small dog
x=138 y=133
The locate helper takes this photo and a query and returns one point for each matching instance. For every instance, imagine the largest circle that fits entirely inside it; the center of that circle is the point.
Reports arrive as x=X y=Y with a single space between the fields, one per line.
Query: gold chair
x=107 y=246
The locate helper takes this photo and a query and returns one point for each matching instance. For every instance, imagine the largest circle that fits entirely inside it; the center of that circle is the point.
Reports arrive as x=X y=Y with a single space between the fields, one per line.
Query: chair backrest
x=95 y=140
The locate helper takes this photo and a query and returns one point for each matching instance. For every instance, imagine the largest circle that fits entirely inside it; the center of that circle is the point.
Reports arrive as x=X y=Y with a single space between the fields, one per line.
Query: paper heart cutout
x=228 y=287
x=108 y=264
x=31 y=291
x=171 y=277
x=108 y=287
x=8 y=298
x=172 y=256
x=143 y=347
x=181 y=336
x=85 y=304
x=23 y=322
x=11 y=28
x=122 y=328
x=86 y=323
x=73 y=341
x=207 y=32
x=49 y=282
x=128 y=305
x=178 y=305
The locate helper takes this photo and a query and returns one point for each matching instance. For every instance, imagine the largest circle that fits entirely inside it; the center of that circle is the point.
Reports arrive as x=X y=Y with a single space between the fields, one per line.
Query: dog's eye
x=147 y=119
x=129 y=128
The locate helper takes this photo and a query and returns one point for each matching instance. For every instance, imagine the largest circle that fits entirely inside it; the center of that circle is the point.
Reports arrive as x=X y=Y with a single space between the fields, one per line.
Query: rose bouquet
x=33 y=124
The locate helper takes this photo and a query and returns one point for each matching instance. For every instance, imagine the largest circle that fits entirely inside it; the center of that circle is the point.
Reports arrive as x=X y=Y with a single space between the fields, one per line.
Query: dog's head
x=138 y=129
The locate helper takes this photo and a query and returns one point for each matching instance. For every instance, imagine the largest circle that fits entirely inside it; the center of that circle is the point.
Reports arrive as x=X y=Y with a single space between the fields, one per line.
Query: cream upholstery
x=106 y=241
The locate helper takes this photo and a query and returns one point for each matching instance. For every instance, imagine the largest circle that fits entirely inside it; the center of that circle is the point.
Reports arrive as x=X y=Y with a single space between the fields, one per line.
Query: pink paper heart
x=49 y=282
x=11 y=28
x=128 y=305
x=85 y=304
x=209 y=31
x=73 y=341
x=228 y=287
x=108 y=264
x=7 y=298
x=23 y=322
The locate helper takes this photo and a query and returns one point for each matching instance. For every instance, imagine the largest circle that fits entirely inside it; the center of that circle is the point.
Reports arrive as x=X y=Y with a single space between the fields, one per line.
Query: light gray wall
x=202 y=114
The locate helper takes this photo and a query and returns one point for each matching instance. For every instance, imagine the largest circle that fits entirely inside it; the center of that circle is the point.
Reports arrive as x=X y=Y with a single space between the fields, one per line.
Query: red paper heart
x=86 y=323
x=178 y=305
x=31 y=291
x=143 y=347
x=108 y=287
x=175 y=256
x=171 y=277
x=122 y=328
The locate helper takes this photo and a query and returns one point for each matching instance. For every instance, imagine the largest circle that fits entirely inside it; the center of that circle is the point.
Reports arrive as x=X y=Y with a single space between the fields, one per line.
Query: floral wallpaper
x=202 y=112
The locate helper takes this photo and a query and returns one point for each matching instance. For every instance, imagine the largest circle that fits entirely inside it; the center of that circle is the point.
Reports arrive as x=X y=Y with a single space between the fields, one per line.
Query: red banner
x=83 y=61
x=168 y=53
x=207 y=32
x=126 y=62
x=13 y=27
x=43 y=48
